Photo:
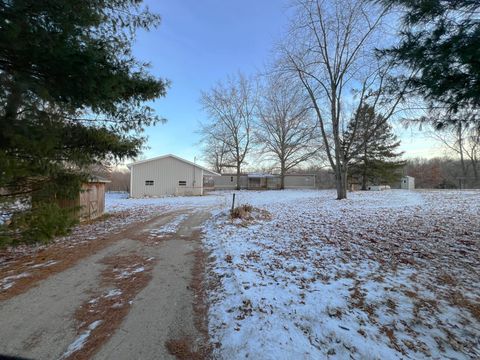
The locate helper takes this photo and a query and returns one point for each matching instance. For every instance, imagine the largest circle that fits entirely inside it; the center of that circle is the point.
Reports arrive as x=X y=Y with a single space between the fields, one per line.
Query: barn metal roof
x=177 y=158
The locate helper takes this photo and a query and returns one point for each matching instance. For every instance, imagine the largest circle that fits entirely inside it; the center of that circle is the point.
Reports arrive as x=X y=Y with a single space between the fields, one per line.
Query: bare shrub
x=242 y=212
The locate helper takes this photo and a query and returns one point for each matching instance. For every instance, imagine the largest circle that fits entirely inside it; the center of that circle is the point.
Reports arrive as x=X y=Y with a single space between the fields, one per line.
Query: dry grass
x=242 y=212
x=460 y=300
x=357 y=300
x=182 y=349
x=446 y=279
x=249 y=214
x=200 y=305
x=392 y=305
x=389 y=332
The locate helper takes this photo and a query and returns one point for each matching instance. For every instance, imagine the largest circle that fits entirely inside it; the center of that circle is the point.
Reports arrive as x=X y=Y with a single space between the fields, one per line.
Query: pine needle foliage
x=72 y=96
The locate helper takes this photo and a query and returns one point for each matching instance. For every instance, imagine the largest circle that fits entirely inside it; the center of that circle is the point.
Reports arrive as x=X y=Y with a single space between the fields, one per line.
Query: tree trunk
x=365 y=166
x=238 y=176
x=460 y=146
x=475 y=169
x=282 y=177
x=341 y=182
x=364 y=181
x=345 y=183
x=218 y=165
x=340 y=171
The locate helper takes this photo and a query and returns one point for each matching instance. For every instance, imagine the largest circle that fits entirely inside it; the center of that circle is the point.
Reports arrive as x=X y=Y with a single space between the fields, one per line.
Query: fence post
x=233 y=203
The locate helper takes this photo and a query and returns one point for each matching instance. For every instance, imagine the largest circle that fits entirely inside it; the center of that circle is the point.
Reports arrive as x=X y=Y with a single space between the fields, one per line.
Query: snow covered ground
x=119 y=201
x=382 y=275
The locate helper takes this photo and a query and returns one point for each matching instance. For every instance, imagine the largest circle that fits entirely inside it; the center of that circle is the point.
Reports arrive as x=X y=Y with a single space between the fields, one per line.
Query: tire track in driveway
x=98 y=318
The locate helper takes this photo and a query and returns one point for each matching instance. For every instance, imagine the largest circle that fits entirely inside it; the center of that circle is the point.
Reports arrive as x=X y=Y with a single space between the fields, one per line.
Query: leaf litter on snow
x=391 y=274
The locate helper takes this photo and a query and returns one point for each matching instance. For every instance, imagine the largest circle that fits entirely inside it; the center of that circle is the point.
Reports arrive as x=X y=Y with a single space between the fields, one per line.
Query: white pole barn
x=166 y=175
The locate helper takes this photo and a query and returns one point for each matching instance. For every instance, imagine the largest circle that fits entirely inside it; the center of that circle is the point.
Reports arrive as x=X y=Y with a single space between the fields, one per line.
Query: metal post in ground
x=233 y=203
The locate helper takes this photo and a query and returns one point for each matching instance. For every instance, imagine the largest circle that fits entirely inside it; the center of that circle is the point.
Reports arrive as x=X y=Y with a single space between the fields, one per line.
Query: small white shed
x=407 y=183
x=166 y=175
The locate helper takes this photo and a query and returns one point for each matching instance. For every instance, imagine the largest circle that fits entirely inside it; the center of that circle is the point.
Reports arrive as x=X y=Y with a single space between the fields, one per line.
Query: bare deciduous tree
x=285 y=128
x=230 y=106
x=215 y=153
x=331 y=50
x=463 y=141
x=119 y=181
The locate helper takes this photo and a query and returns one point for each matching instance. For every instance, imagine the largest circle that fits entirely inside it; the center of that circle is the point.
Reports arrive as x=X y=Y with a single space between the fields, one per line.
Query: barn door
x=92 y=202
x=93 y=209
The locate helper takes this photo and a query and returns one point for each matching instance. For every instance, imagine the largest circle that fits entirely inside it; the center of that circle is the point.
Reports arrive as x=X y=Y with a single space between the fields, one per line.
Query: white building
x=166 y=175
x=256 y=181
x=407 y=183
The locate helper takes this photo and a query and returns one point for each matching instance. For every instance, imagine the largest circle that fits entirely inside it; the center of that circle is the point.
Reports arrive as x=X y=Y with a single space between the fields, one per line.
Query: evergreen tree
x=72 y=95
x=440 y=39
x=375 y=159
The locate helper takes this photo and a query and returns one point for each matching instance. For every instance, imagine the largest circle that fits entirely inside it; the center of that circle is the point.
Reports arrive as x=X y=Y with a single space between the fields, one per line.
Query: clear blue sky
x=197 y=44
x=201 y=42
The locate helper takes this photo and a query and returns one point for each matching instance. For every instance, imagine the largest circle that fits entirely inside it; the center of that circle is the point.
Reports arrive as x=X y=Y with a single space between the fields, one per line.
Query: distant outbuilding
x=407 y=183
x=166 y=175
x=260 y=181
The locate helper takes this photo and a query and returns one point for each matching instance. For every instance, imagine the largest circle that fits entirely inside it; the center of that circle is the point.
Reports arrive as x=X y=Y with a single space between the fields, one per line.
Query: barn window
x=149 y=182
x=182 y=183
x=231 y=178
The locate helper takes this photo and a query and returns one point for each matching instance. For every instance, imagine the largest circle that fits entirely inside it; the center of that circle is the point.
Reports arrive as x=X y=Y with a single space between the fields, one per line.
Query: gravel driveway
x=125 y=298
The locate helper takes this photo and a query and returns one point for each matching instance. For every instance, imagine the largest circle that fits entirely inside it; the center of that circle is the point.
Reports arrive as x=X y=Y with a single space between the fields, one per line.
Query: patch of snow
x=137 y=270
x=80 y=340
x=46 y=264
x=127 y=273
x=9 y=281
x=8 y=209
x=113 y=292
x=169 y=228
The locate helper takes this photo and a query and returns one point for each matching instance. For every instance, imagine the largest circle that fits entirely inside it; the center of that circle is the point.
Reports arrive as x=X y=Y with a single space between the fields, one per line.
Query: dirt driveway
x=126 y=295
